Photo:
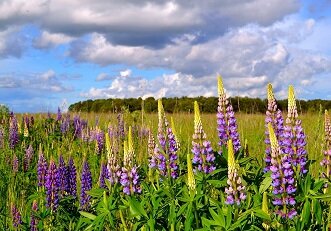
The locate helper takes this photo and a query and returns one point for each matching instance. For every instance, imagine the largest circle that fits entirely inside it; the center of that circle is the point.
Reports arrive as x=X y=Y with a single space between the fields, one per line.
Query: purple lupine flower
x=129 y=175
x=130 y=181
x=166 y=152
x=63 y=176
x=15 y=164
x=151 y=147
x=27 y=157
x=65 y=125
x=72 y=178
x=326 y=161
x=283 y=181
x=104 y=175
x=203 y=158
x=59 y=114
x=114 y=170
x=235 y=190
x=226 y=121
x=1 y=137
x=275 y=117
x=52 y=186
x=100 y=140
x=33 y=218
x=78 y=125
x=13 y=131
x=294 y=141
x=86 y=185
x=16 y=216
x=41 y=169
x=31 y=121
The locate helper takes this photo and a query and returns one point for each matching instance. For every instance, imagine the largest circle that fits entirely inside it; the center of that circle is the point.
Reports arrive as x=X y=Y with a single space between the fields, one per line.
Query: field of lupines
x=167 y=172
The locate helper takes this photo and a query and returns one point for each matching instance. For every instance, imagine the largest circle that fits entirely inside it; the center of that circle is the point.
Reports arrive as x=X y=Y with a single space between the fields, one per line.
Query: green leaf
x=265 y=184
x=136 y=208
x=88 y=215
x=260 y=213
x=305 y=215
x=219 y=218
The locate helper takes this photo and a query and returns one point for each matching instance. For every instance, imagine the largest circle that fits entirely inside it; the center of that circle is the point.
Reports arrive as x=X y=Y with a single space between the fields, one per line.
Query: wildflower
x=294 y=137
x=15 y=164
x=41 y=169
x=104 y=175
x=27 y=157
x=275 y=117
x=235 y=190
x=100 y=140
x=33 y=218
x=203 y=153
x=166 y=152
x=114 y=171
x=63 y=176
x=16 y=216
x=13 y=131
x=283 y=180
x=226 y=121
x=52 y=186
x=326 y=162
x=86 y=185
x=59 y=114
x=120 y=126
x=72 y=178
x=129 y=177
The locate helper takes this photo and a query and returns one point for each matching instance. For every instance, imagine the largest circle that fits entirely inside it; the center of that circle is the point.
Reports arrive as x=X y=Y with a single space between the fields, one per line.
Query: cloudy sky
x=57 y=52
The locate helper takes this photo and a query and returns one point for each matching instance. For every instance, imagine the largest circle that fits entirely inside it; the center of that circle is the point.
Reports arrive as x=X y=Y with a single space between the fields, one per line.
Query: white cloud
x=125 y=73
x=47 y=39
x=248 y=57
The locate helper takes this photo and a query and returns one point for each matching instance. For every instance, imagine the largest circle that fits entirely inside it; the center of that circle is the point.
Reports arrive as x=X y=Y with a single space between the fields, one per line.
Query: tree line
x=185 y=104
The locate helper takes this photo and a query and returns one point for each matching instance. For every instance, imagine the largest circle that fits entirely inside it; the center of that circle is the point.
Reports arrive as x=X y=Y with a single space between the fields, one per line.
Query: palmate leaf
x=136 y=209
x=265 y=184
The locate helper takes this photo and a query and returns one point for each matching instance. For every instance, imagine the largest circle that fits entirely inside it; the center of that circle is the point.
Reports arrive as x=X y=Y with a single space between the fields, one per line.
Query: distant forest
x=185 y=104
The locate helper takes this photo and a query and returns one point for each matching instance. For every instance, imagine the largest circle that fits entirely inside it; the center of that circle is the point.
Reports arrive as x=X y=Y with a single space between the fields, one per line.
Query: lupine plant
x=115 y=174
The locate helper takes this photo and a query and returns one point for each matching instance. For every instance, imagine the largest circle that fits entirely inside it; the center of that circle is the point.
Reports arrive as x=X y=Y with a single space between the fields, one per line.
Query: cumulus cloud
x=11 y=43
x=48 y=40
x=140 y=23
x=248 y=57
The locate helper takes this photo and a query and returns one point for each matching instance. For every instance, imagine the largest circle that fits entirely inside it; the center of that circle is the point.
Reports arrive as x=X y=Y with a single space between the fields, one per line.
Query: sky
x=57 y=52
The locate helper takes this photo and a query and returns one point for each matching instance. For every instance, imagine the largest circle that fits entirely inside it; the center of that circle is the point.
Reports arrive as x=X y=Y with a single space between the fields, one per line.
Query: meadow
x=185 y=171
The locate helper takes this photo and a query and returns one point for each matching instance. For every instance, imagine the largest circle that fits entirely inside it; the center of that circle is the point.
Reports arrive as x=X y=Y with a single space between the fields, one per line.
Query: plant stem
x=123 y=221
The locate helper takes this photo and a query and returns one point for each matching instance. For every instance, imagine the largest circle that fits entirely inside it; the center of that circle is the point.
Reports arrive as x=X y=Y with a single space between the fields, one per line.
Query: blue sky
x=54 y=53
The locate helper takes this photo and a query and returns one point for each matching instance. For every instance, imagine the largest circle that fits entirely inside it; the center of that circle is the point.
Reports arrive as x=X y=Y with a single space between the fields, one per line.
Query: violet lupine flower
x=283 y=180
x=41 y=169
x=129 y=177
x=1 y=137
x=275 y=117
x=52 y=186
x=72 y=178
x=15 y=164
x=114 y=170
x=59 y=114
x=235 y=190
x=78 y=125
x=226 y=121
x=16 y=216
x=33 y=218
x=294 y=141
x=63 y=176
x=166 y=152
x=65 y=125
x=151 y=147
x=100 y=140
x=86 y=185
x=326 y=162
x=13 y=131
x=203 y=158
x=27 y=157
x=104 y=175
